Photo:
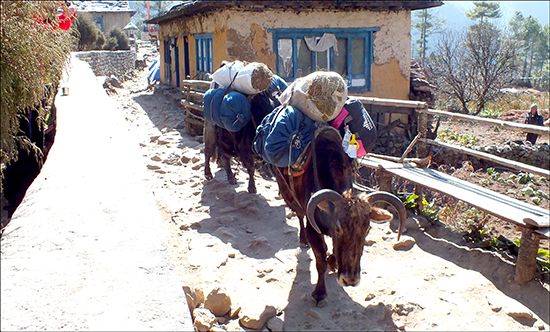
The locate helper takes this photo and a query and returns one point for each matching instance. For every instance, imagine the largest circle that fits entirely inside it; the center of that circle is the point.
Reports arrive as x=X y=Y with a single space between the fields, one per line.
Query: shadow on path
x=341 y=313
x=442 y=242
x=245 y=220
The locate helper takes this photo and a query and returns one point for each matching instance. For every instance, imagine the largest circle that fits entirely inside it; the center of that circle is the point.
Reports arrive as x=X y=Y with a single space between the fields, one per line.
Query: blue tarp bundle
x=154 y=71
x=283 y=135
x=230 y=111
x=277 y=86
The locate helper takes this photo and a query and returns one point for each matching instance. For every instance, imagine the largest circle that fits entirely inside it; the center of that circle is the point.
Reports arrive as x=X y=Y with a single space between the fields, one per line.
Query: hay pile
x=324 y=91
x=261 y=77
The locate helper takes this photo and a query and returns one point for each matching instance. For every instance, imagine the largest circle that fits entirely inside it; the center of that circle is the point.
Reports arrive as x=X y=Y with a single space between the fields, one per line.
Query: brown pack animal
x=225 y=144
x=323 y=193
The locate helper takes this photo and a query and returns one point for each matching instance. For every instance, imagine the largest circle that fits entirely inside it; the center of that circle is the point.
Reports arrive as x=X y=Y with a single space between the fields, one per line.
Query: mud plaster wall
x=247 y=39
x=242 y=35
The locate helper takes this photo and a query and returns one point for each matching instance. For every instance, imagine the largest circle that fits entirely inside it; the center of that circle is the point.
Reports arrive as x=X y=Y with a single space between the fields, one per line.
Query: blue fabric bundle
x=277 y=86
x=283 y=135
x=230 y=111
x=212 y=102
x=235 y=111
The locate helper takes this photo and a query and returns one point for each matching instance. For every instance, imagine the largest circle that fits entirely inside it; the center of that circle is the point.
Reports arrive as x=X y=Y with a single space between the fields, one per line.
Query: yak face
x=348 y=226
x=348 y=236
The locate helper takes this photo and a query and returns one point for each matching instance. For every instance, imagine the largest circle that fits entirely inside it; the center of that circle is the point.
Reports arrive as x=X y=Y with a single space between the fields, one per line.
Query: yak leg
x=248 y=162
x=225 y=163
x=319 y=248
x=209 y=147
x=303 y=236
x=251 y=183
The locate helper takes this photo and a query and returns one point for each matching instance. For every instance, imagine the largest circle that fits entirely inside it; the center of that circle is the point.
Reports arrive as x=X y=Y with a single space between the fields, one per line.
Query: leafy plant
x=111 y=44
x=461 y=139
x=33 y=53
x=430 y=210
x=89 y=35
x=410 y=201
x=122 y=40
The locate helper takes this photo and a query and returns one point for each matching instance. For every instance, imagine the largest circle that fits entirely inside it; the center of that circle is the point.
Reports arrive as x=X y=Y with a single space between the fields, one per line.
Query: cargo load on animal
x=247 y=78
x=286 y=132
x=319 y=95
x=231 y=118
x=229 y=110
x=356 y=127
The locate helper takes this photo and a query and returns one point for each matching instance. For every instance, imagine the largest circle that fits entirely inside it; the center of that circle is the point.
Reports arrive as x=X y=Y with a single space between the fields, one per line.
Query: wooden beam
x=391 y=102
x=191 y=105
x=498 y=205
x=491 y=122
x=197 y=84
x=194 y=121
x=496 y=159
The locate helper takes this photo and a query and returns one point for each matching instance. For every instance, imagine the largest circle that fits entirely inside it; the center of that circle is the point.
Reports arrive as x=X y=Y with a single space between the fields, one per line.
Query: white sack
x=254 y=78
x=320 y=95
x=224 y=75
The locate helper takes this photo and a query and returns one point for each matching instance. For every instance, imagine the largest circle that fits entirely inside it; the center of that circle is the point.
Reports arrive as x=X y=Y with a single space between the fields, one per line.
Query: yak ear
x=379 y=214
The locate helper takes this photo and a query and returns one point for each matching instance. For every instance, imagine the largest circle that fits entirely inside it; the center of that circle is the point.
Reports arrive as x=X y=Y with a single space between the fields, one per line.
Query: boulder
x=257 y=322
x=404 y=243
x=203 y=319
x=218 y=302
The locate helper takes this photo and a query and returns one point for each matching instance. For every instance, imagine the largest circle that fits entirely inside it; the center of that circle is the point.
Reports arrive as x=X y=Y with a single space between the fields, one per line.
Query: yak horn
x=382 y=196
x=318 y=197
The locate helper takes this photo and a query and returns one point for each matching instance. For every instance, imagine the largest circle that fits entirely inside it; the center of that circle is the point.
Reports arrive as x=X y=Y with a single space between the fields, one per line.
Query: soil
x=247 y=244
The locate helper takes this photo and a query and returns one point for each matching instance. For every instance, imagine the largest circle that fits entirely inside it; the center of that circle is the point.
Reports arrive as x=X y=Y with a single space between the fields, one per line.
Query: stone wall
x=107 y=63
x=394 y=144
x=535 y=155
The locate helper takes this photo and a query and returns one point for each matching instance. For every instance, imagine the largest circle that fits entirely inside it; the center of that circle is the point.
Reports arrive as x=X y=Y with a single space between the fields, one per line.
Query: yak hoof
x=332 y=263
x=232 y=180
x=320 y=303
x=208 y=176
x=320 y=297
x=252 y=190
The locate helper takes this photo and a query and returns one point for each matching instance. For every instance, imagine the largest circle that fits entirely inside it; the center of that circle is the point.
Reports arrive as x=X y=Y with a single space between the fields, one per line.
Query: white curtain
x=327 y=41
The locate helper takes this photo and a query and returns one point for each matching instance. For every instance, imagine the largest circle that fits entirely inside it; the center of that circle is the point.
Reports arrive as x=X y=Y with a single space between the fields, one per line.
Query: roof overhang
x=201 y=7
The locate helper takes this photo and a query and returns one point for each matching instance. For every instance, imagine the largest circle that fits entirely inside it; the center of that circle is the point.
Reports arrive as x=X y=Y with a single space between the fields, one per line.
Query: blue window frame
x=351 y=54
x=99 y=22
x=205 y=54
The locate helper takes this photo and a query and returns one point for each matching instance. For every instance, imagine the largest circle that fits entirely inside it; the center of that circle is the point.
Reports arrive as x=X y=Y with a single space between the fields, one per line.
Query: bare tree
x=471 y=68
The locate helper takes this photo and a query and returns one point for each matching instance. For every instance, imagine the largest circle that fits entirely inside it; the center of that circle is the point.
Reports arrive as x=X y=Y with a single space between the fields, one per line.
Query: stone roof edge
x=197 y=7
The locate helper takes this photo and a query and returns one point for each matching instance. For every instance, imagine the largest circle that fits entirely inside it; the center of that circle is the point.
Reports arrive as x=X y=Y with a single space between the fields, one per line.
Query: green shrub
x=100 y=40
x=88 y=31
x=111 y=44
x=32 y=54
x=121 y=38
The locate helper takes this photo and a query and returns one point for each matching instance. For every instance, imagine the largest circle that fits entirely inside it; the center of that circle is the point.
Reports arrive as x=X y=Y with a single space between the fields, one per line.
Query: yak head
x=346 y=219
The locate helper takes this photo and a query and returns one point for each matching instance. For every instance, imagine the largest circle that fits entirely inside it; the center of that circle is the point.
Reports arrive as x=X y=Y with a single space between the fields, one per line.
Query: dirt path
x=222 y=236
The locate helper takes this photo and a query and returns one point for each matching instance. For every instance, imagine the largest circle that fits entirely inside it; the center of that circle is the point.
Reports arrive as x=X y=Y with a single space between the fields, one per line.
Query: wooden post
x=384 y=180
x=526 y=266
x=421 y=152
